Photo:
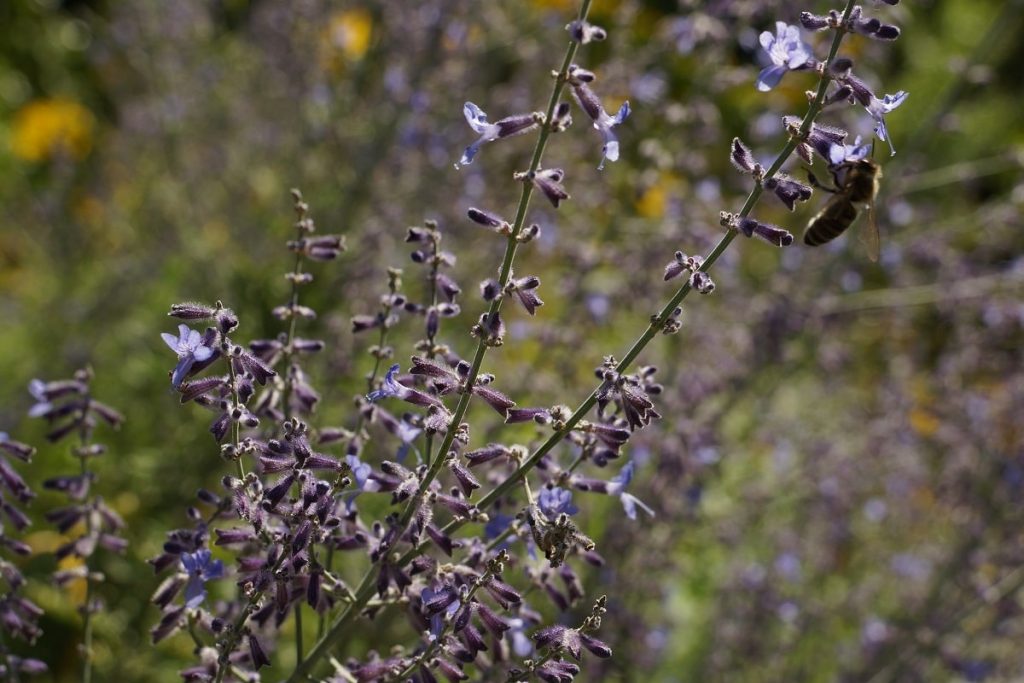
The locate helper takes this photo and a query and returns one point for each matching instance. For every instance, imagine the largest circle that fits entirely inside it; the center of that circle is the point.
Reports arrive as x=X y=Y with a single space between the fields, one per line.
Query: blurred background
x=839 y=471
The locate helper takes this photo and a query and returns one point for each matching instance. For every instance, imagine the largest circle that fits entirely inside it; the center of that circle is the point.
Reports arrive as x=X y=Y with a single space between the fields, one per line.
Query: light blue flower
x=190 y=349
x=879 y=108
x=506 y=127
x=617 y=487
x=786 y=51
x=605 y=123
x=391 y=387
x=201 y=568
x=840 y=153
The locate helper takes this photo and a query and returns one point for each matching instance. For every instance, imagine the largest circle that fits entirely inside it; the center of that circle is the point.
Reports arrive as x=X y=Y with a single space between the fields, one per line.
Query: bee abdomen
x=833 y=220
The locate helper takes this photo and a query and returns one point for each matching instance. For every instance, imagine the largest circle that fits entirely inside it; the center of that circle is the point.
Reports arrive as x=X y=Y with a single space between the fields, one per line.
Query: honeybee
x=856 y=184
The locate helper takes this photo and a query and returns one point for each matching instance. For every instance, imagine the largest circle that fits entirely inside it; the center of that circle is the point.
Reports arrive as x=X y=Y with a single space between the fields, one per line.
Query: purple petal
x=170 y=340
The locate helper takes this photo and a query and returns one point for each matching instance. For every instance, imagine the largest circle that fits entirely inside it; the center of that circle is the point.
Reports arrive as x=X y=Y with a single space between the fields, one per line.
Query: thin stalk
x=340 y=629
x=83 y=435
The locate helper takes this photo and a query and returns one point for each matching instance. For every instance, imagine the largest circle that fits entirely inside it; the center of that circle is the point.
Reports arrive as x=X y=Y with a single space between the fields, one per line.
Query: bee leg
x=813 y=180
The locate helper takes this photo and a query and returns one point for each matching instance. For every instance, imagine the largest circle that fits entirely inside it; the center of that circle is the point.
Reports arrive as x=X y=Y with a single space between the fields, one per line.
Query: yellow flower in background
x=653 y=201
x=44 y=128
x=346 y=38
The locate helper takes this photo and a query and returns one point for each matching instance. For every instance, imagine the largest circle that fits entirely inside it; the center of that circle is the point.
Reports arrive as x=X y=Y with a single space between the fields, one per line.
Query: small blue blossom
x=521 y=644
x=839 y=153
x=786 y=51
x=437 y=620
x=391 y=387
x=201 y=568
x=554 y=501
x=605 y=123
x=190 y=349
x=879 y=108
x=361 y=473
x=617 y=487
x=506 y=127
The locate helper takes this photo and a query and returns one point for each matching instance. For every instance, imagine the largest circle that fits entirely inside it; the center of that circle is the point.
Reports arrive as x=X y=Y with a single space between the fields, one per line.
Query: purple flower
x=554 y=501
x=506 y=127
x=200 y=569
x=391 y=387
x=786 y=51
x=617 y=487
x=879 y=108
x=189 y=347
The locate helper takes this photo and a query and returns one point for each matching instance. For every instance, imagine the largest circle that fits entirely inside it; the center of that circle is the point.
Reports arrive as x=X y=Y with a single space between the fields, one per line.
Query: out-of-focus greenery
x=839 y=471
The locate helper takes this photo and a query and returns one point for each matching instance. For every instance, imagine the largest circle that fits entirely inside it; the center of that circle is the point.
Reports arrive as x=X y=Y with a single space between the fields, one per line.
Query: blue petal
x=377 y=395
x=181 y=369
x=629 y=505
x=623 y=113
x=403 y=452
x=770 y=77
x=170 y=340
x=625 y=475
x=190 y=562
x=469 y=153
x=475 y=117
x=521 y=645
x=195 y=592
x=214 y=570
x=202 y=353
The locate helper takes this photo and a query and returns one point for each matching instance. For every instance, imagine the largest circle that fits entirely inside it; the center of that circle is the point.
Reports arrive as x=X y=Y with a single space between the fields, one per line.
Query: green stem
x=84 y=436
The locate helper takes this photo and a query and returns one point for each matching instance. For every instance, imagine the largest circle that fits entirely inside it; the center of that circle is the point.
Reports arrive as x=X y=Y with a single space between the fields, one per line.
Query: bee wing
x=869 y=235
